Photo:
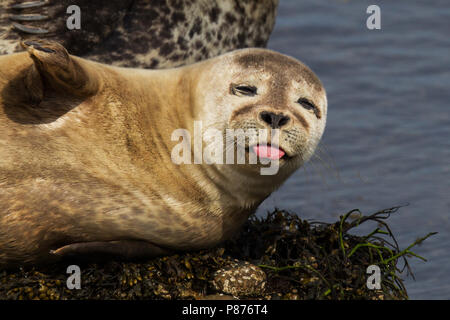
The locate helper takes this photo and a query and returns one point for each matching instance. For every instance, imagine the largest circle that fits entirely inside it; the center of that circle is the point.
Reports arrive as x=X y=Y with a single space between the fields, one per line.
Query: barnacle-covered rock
x=278 y=257
x=240 y=278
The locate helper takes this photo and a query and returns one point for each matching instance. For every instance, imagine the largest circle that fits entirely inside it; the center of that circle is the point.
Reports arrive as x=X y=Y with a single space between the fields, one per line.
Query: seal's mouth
x=269 y=151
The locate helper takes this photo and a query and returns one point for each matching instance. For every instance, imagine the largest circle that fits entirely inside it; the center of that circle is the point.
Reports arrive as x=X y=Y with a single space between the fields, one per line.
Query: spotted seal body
x=86 y=161
x=140 y=33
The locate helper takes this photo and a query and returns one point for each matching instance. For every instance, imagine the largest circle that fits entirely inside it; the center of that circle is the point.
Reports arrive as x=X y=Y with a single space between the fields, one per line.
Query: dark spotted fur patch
x=148 y=34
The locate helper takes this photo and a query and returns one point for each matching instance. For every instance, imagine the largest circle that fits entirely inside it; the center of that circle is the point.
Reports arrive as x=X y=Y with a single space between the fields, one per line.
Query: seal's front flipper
x=54 y=69
x=122 y=249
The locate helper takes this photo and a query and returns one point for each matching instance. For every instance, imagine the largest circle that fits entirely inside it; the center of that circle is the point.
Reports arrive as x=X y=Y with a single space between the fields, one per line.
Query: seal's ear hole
x=243 y=90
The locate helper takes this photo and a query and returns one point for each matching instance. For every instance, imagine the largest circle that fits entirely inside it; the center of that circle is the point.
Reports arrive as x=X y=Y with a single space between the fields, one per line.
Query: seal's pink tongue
x=268 y=152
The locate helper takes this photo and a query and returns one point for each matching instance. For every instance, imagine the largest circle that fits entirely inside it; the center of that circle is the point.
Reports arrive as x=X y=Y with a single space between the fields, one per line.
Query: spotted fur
x=147 y=33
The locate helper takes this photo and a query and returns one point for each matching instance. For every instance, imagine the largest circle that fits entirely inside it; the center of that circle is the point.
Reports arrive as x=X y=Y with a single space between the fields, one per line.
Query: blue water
x=387 y=139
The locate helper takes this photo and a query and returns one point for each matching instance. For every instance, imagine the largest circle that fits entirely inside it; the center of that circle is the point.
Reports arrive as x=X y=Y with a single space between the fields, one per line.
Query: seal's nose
x=274 y=120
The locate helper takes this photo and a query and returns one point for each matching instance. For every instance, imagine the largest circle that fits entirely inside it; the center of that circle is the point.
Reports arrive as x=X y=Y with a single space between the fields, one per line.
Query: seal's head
x=257 y=89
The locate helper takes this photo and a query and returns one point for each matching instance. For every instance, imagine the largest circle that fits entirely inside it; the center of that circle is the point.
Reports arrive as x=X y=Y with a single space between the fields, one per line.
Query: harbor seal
x=86 y=150
x=150 y=33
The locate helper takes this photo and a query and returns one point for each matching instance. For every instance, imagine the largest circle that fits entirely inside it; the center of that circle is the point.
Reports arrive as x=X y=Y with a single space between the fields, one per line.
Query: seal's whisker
x=327 y=161
x=319 y=170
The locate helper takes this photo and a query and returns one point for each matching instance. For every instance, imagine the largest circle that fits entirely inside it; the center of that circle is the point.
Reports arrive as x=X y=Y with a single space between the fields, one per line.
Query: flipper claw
x=122 y=249
x=28 y=29
x=29 y=4
x=28 y=17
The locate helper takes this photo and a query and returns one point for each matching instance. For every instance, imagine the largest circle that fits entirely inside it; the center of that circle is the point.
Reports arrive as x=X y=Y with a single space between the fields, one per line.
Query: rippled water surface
x=388 y=129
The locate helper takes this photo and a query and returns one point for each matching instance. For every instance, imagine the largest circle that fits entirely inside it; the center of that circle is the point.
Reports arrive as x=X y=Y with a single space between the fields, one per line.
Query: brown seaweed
x=279 y=256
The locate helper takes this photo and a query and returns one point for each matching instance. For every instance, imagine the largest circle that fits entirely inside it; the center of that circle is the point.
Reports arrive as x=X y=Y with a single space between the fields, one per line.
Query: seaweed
x=279 y=256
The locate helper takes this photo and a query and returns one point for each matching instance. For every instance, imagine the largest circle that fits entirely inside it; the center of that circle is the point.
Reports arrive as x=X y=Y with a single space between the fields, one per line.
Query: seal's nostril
x=266 y=117
x=274 y=120
x=283 y=120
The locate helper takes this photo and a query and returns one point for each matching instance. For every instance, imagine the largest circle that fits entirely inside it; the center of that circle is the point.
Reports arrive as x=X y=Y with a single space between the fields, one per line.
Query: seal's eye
x=308 y=105
x=243 y=90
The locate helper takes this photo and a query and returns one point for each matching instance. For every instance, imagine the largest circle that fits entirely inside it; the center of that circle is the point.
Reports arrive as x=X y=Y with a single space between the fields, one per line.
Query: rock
x=240 y=278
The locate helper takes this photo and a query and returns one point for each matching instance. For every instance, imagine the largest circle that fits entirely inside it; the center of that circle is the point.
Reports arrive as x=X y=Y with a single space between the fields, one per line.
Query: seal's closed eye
x=244 y=90
x=308 y=105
